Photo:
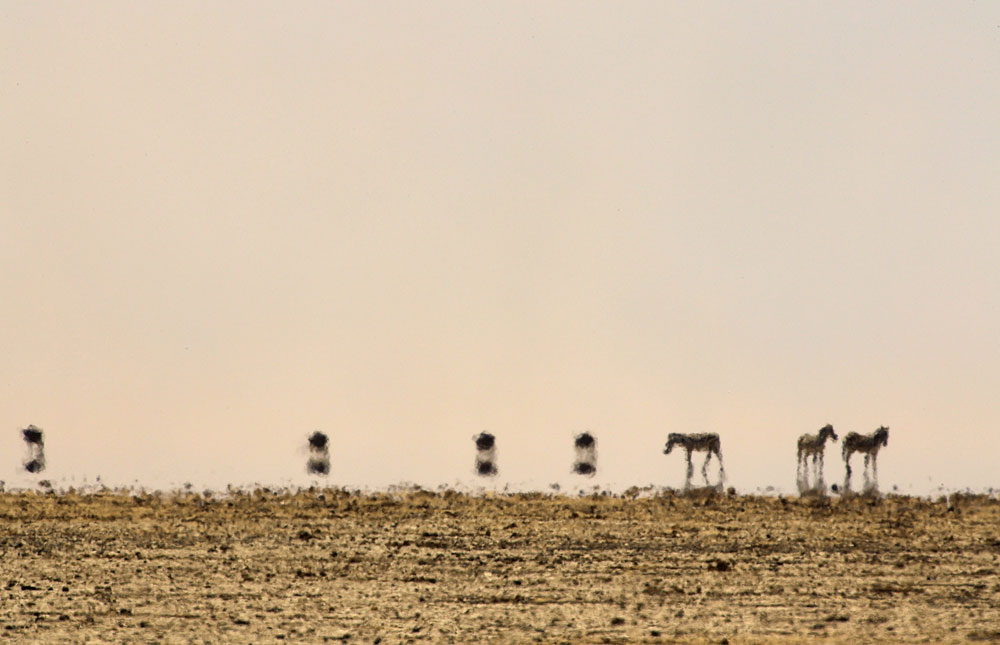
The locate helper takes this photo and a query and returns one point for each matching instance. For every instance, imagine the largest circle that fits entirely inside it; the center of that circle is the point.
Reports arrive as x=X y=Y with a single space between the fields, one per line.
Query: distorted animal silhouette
x=812 y=445
x=485 y=455
x=319 y=454
x=318 y=467
x=869 y=445
x=318 y=440
x=585 y=463
x=33 y=437
x=485 y=441
x=702 y=442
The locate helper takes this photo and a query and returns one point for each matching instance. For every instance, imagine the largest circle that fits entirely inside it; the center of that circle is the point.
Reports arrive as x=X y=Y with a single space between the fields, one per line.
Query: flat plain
x=326 y=565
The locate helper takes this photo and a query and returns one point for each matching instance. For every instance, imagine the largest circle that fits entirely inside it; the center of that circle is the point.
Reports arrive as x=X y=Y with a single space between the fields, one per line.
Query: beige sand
x=331 y=566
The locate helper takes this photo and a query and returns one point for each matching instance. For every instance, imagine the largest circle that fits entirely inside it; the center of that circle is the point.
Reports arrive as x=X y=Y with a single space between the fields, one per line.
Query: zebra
x=812 y=445
x=869 y=445
x=706 y=442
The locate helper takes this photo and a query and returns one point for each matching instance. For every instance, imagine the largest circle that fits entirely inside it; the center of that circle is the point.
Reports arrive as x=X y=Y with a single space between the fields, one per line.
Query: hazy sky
x=225 y=225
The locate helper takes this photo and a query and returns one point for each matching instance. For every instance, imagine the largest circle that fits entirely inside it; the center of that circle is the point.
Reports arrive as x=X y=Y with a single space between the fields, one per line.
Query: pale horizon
x=224 y=227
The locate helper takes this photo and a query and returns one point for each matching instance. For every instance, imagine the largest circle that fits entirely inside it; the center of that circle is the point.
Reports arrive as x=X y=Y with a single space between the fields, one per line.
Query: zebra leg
x=847 y=477
x=690 y=470
x=868 y=481
x=819 y=473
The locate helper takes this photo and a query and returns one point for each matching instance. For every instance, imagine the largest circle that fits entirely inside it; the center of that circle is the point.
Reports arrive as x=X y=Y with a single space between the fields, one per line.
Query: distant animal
x=484 y=441
x=703 y=442
x=35 y=463
x=33 y=435
x=318 y=441
x=319 y=454
x=869 y=445
x=486 y=465
x=812 y=445
x=585 y=446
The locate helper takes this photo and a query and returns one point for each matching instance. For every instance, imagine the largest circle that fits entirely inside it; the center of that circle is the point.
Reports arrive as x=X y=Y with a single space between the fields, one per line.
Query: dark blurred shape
x=319 y=454
x=486 y=456
x=318 y=466
x=485 y=441
x=586 y=455
x=33 y=435
x=35 y=461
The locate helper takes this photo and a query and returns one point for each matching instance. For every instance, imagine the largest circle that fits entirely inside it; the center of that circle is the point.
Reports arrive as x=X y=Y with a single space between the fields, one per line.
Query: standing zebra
x=868 y=444
x=813 y=445
x=705 y=442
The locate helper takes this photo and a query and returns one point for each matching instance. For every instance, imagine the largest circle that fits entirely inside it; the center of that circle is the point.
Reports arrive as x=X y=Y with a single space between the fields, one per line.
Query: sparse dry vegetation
x=328 y=565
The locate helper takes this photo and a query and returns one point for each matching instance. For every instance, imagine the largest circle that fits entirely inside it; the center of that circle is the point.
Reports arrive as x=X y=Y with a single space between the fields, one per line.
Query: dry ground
x=361 y=568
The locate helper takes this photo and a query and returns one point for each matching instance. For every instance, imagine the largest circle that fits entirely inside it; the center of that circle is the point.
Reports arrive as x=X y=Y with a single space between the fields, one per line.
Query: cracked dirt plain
x=328 y=565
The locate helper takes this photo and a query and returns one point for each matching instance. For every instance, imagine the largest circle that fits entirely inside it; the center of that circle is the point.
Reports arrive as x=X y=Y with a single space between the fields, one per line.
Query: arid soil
x=328 y=565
